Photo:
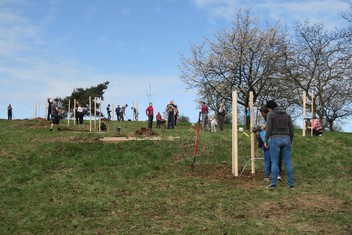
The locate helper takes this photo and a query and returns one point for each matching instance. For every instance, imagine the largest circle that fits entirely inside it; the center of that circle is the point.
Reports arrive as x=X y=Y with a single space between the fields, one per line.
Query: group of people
x=171 y=111
x=119 y=111
x=215 y=120
x=275 y=138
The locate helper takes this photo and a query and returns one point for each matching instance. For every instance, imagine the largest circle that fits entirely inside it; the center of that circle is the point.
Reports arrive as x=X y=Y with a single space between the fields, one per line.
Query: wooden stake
x=46 y=109
x=304 y=114
x=95 y=113
x=90 y=114
x=74 y=111
x=137 y=111
x=113 y=112
x=101 y=104
x=252 y=134
x=234 y=135
x=69 y=112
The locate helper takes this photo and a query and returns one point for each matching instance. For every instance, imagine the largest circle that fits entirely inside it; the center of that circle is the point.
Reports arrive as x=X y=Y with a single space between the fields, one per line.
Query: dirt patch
x=144 y=132
x=223 y=173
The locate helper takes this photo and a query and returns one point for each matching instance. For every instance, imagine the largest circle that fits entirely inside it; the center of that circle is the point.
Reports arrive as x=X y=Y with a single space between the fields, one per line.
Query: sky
x=50 y=47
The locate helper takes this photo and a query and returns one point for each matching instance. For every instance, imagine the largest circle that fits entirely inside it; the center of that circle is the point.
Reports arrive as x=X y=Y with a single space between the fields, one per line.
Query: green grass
x=70 y=182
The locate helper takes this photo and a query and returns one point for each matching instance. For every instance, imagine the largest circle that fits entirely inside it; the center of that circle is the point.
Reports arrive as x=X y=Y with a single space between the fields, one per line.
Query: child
x=213 y=123
x=158 y=120
x=266 y=153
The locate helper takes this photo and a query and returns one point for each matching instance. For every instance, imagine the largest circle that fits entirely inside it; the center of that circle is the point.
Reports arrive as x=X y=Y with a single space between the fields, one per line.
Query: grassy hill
x=70 y=182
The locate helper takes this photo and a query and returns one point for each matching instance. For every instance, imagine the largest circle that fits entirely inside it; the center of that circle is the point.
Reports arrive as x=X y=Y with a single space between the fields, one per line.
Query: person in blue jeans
x=279 y=129
x=266 y=153
x=260 y=133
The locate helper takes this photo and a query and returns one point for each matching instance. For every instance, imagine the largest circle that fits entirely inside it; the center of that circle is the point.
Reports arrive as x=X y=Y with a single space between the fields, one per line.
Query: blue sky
x=48 y=48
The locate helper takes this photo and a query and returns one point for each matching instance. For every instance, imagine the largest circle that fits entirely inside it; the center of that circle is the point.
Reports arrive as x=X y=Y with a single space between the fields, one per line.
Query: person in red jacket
x=150 y=113
x=158 y=120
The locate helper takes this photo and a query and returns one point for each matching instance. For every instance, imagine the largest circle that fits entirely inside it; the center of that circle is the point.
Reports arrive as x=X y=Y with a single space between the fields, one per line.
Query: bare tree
x=244 y=58
x=319 y=63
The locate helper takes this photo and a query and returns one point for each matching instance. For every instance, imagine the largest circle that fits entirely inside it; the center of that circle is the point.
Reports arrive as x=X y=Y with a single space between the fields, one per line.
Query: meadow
x=71 y=182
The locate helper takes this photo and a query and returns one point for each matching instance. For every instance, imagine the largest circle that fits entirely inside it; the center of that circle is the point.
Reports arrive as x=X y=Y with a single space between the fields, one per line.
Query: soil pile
x=145 y=132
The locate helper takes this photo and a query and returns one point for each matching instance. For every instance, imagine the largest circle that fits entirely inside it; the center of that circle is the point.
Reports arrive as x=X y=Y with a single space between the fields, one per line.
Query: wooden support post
x=113 y=112
x=46 y=109
x=101 y=104
x=95 y=113
x=234 y=135
x=69 y=112
x=74 y=111
x=90 y=114
x=250 y=129
x=304 y=114
x=137 y=111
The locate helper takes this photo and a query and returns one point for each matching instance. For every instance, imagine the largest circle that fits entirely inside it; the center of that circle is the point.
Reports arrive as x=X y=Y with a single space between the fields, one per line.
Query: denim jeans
x=277 y=146
x=204 y=121
x=267 y=162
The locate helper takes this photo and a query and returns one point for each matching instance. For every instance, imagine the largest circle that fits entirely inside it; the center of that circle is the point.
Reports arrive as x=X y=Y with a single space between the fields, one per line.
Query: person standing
x=204 y=111
x=158 y=120
x=221 y=116
x=170 y=110
x=150 y=113
x=55 y=118
x=108 y=110
x=279 y=128
x=9 y=112
x=50 y=102
x=117 y=111
x=175 y=113
x=80 y=113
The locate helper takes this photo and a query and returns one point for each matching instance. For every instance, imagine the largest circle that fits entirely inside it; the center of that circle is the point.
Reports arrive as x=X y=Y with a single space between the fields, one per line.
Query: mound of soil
x=145 y=132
